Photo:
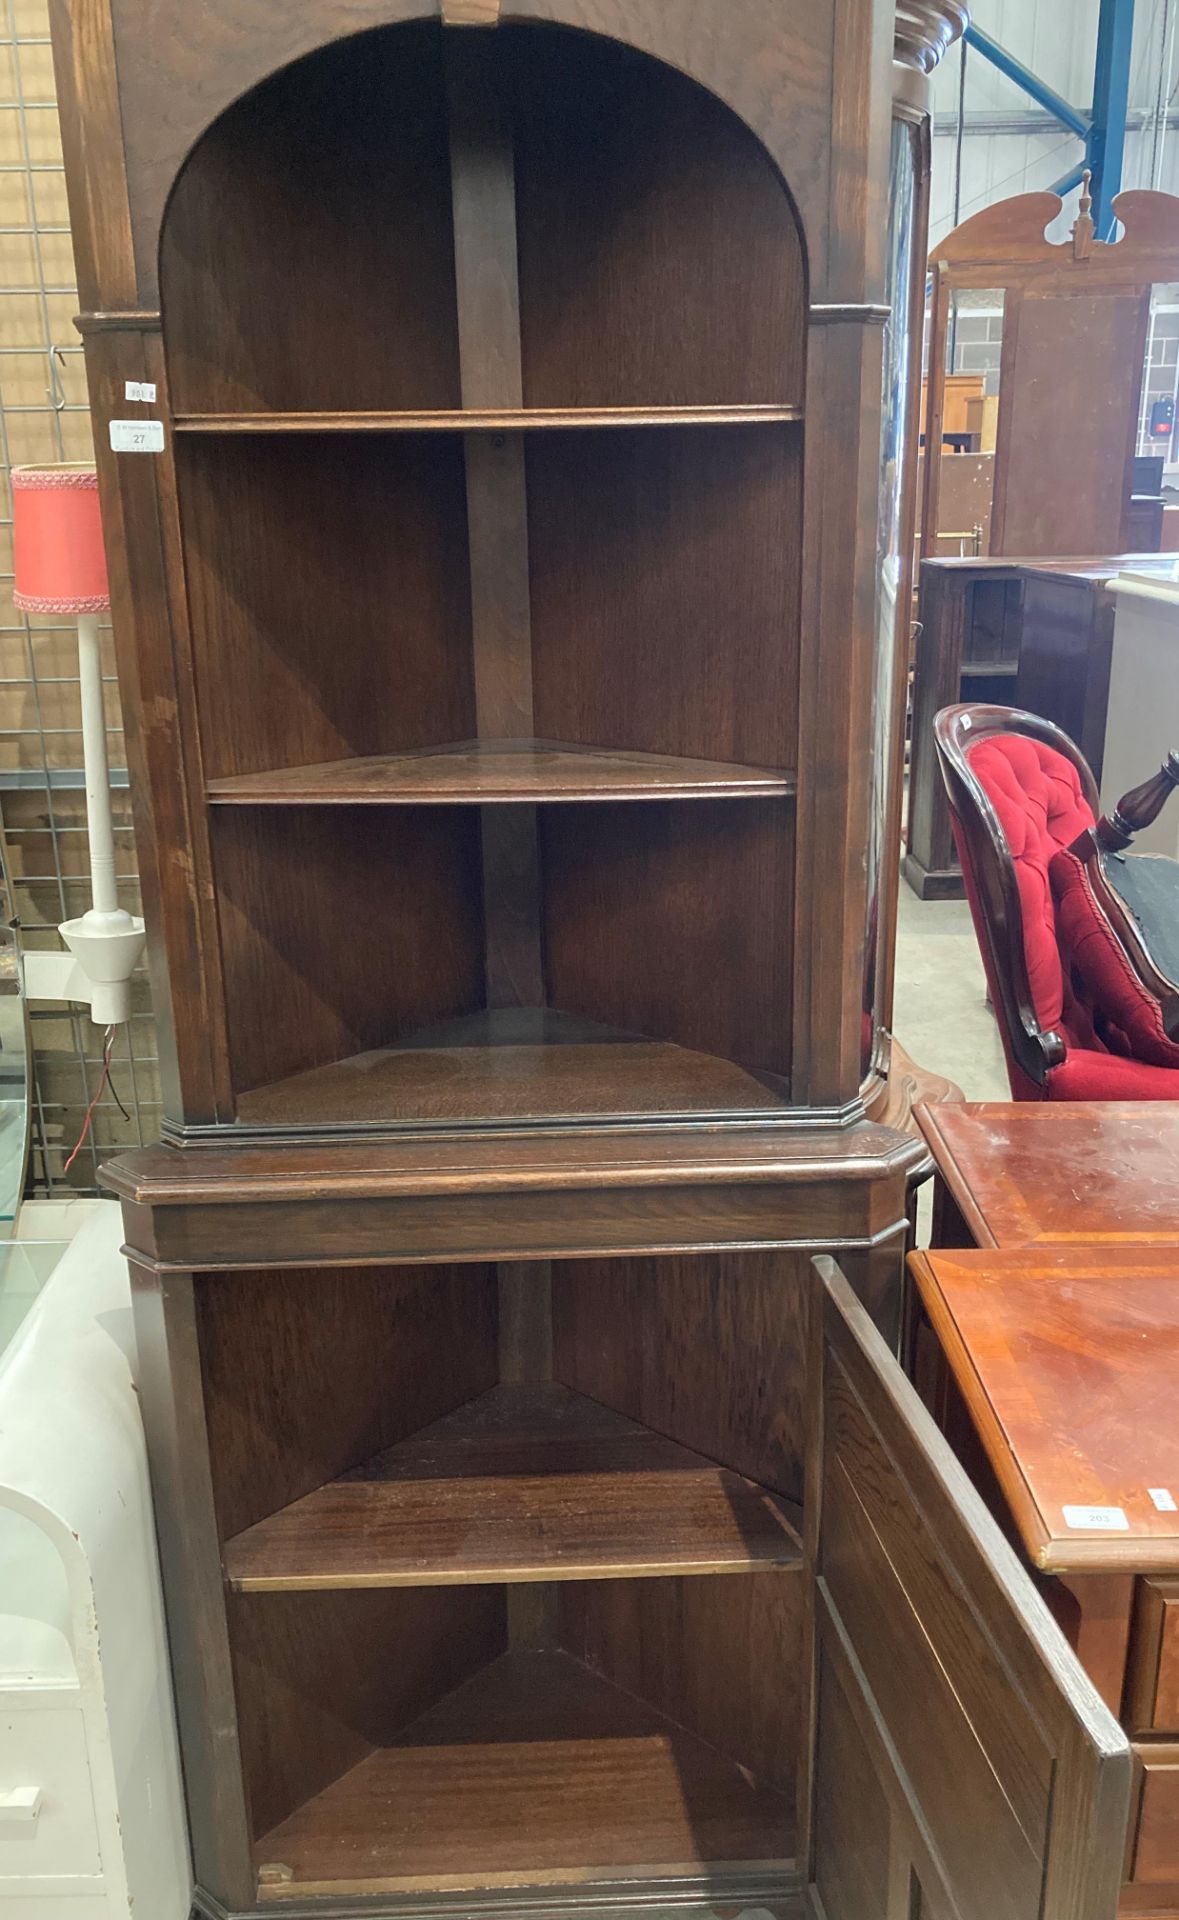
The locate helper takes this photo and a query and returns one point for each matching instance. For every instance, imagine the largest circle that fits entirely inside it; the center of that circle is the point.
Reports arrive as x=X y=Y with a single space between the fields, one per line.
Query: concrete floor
x=940 y=1014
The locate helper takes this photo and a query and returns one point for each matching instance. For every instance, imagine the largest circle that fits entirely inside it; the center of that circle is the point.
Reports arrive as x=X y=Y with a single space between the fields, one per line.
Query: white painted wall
x=1058 y=39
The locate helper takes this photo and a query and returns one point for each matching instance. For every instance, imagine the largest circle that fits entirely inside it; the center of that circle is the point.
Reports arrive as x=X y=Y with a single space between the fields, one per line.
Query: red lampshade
x=57 y=539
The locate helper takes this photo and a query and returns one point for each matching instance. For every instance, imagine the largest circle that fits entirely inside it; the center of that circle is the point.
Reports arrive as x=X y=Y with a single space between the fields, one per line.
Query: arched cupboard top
x=793 y=71
x=308 y=249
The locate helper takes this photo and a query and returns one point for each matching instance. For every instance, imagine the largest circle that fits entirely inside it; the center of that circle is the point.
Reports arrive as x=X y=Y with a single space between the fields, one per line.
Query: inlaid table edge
x=1049 y=1550
x=1036 y=1536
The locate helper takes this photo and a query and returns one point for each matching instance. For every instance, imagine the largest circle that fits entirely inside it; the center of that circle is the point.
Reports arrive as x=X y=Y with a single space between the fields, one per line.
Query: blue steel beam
x=1065 y=185
x=1073 y=118
x=1106 y=141
x=1104 y=129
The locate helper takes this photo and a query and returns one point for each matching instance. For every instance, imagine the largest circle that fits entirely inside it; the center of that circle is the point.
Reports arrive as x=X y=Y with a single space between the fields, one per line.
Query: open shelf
x=524 y=1483
x=483 y=419
x=516 y=1064
x=513 y=1576
x=489 y=772
x=428 y=624
x=535 y=1772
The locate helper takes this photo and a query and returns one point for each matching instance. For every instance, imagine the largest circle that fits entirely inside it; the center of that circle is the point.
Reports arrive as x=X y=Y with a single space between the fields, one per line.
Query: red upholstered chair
x=1019 y=792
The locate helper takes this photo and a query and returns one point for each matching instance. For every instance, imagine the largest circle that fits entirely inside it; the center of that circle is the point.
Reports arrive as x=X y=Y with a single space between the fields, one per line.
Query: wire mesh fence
x=44 y=417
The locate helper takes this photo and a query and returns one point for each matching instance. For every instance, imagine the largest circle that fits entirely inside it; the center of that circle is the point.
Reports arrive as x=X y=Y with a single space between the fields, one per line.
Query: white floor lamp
x=60 y=568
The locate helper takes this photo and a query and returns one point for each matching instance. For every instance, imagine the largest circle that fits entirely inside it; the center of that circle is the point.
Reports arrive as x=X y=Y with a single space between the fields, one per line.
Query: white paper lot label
x=1096 y=1519
x=137 y=436
x=1163 y=1499
x=139 y=390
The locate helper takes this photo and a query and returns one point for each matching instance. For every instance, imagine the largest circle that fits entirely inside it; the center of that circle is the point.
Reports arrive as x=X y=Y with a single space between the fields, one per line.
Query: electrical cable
x=952 y=342
x=959 y=133
x=1158 y=134
x=990 y=192
x=104 y=1081
x=1168 y=68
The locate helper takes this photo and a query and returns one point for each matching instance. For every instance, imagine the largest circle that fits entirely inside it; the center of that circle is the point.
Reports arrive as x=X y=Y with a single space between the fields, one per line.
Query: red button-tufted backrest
x=1037 y=796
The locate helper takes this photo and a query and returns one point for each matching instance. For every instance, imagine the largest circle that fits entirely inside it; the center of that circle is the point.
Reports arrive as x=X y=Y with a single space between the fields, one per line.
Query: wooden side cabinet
x=1035 y=634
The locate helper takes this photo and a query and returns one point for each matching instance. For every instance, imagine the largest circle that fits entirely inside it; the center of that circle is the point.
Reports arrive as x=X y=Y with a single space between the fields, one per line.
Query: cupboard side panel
x=643 y=200
x=675 y=920
x=721 y=1656
x=310 y=1372
x=330 y=595
x=324 y=1678
x=211 y=1745
x=343 y=928
x=665 y=569
x=712 y=1354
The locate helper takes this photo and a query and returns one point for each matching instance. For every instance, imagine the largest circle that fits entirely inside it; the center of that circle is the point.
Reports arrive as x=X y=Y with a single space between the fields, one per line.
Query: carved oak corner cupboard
x=500 y=642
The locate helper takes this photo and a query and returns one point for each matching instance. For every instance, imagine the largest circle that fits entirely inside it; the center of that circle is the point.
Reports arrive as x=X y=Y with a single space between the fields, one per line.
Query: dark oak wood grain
x=522 y=1484
x=720 y=1657
x=496 y=1067
x=483 y=350
x=487 y=772
x=330 y=596
x=351 y=964
x=87 y=90
x=713 y=1358
x=774 y=69
x=679 y=208
x=671 y=882
x=535 y=1773
x=365 y=325
x=1006 y=1777
x=700 y=592
x=482 y=419
x=171 y=1391
x=308 y=1373
x=314 y=1702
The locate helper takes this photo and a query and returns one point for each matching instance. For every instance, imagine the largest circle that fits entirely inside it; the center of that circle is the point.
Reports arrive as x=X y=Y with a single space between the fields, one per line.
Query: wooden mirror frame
x=1004 y=248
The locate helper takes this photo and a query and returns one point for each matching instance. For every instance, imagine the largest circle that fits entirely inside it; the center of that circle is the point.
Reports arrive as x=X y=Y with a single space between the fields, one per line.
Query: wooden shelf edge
x=521 y=1574
x=485 y=420
x=668 y=1874
x=792 y=1149
x=502 y=773
x=456 y=1504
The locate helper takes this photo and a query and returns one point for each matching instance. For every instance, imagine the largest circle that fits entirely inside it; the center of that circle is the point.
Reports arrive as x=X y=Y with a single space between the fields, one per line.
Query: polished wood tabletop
x=1036 y=1174
x=1068 y=1360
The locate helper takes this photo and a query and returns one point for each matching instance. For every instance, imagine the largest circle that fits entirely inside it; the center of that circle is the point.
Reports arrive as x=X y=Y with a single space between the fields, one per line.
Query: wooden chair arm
x=1137 y=809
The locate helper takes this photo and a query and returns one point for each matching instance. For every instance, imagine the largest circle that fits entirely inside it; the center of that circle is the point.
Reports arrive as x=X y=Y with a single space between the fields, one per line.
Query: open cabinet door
x=964 y=1767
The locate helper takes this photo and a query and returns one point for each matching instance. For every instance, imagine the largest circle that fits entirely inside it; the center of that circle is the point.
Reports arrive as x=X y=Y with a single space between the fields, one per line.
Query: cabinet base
x=706 y=1898
x=933 y=883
